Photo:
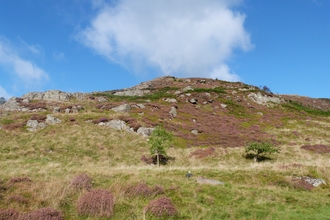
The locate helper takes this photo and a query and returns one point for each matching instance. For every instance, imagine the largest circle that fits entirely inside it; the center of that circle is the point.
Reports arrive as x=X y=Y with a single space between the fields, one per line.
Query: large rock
x=56 y=95
x=173 y=112
x=122 y=108
x=264 y=100
x=118 y=124
x=170 y=100
x=52 y=120
x=188 y=88
x=11 y=105
x=33 y=125
x=145 y=131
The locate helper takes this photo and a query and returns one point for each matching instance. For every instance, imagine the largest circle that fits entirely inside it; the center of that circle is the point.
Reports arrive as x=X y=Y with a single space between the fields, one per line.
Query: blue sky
x=98 y=45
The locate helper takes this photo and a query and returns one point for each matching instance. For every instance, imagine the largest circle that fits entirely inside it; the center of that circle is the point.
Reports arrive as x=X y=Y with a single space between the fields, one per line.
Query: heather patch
x=8 y=214
x=161 y=207
x=82 y=181
x=97 y=202
x=317 y=148
x=43 y=214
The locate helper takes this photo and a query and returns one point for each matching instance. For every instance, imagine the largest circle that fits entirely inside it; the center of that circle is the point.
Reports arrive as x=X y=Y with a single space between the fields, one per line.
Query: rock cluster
x=264 y=99
x=33 y=125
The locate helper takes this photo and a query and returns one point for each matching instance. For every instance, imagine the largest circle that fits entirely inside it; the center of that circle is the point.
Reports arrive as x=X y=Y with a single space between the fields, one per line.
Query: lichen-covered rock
x=264 y=100
x=33 y=125
x=118 y=124
x=145 y=131
x=132 y=92
x=11 y=105
x=52 y=120
x=122 y=108
x=173 y=112
x=170 y=100
x=56 y=95
x=188 y=88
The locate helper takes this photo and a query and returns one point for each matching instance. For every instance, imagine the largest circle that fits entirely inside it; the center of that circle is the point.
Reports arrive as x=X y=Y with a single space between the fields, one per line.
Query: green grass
x=52 y=157
x=292 y=105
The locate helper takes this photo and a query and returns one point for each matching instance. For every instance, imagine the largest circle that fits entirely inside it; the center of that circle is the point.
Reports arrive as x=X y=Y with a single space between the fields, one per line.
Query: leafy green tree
x=260 y=149
x=159 y=141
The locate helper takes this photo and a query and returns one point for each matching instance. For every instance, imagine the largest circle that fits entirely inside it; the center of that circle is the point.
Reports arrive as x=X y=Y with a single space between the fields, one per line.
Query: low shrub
x=96 y=121
x=82 y=181
x=8 y=214
x=13 y=126
x=19 y=180
x=97 y=202
x=43 y=214
x=18 y=199
x=317 y=148
x=202 y=153
x=141 y=189
x=158 y=190
x=161 y=207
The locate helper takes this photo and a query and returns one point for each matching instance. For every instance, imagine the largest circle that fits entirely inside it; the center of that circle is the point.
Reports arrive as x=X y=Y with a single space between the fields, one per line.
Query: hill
x=50 y=139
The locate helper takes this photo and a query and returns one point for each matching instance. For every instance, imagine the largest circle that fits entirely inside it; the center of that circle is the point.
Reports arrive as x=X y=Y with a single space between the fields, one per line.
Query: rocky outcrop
x=11 y=105
x=132 y=92
x=264 y=99
x=33 y=125
x=54 y=95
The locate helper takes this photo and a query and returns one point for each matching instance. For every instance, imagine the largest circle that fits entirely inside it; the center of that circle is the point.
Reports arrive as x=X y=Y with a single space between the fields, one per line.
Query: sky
x=100 y=45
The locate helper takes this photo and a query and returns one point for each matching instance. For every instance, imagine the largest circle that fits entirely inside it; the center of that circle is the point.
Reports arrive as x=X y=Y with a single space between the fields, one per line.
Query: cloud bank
x=20 y=68
x=182 y=38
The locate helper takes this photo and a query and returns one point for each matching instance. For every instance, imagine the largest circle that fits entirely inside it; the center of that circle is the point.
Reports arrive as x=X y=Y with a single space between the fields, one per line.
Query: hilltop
x=49 y=138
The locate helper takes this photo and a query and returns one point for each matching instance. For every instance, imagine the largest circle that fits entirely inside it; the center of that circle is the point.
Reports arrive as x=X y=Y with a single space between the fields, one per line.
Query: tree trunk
x=158 y=159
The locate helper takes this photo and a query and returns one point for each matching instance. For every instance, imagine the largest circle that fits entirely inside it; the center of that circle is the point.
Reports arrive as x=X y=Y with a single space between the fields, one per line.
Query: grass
x=54 y=156
x=293 y=105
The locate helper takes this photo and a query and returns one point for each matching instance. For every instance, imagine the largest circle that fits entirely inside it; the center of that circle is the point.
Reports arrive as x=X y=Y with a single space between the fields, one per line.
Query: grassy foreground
x=52 y=157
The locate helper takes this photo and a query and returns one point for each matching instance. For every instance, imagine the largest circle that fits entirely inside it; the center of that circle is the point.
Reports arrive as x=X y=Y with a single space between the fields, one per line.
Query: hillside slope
x=50 y=138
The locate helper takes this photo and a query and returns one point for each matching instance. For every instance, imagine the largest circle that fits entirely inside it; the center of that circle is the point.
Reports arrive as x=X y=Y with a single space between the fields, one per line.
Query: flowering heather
x=8 y=214
x=97 y=202
x=82 y=181
x=161 y=207
x=43 y=214
x=140 y=189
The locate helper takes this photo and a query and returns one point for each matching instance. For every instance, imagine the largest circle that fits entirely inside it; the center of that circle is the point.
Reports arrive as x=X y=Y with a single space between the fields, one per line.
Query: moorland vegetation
x=79 y=168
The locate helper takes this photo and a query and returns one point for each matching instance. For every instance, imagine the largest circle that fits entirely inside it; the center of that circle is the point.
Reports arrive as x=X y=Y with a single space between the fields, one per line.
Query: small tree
x=159 y=141
x=260 y=149
x=2 y=100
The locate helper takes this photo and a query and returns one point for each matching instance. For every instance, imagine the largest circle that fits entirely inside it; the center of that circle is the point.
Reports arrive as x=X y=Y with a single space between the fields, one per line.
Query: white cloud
x=223 y=72
x=3 y=93
x=22 y=68
x=59 y=56
x=184 y=38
